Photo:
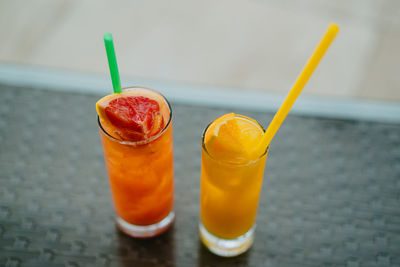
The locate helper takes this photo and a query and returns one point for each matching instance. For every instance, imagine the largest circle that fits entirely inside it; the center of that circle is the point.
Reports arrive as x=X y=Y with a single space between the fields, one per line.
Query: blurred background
x=250 y=45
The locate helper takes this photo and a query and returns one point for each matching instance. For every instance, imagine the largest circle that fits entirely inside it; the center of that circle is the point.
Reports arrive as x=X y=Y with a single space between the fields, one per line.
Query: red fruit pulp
x=135 y=117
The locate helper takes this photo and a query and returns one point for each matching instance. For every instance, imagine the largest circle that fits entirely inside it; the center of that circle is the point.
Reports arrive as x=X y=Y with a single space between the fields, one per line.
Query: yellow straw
x=298 y=86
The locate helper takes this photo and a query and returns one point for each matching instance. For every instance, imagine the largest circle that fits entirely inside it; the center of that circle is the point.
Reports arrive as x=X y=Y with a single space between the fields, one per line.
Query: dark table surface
x=331 y=192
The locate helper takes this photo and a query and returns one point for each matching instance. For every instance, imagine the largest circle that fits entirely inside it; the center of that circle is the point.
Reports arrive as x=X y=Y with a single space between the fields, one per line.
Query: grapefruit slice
x=131 y=115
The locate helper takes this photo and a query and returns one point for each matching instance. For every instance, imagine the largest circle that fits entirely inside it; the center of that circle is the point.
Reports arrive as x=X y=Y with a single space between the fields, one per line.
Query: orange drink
x=234 y=151
x=136 y=133
x=231 y=179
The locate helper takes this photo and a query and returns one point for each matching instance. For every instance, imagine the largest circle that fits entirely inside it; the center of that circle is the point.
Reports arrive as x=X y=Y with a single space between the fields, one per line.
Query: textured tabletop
x=331 y=192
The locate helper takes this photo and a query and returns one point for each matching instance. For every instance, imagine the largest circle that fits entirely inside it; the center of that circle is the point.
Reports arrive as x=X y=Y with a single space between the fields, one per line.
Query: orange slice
x=233 y=138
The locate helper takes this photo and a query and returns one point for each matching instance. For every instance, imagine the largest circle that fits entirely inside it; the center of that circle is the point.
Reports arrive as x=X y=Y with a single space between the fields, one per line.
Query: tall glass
x=141 y=177
x=229 y=200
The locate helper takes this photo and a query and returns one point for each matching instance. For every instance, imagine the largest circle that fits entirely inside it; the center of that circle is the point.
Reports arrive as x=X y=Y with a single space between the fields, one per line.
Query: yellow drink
x=231 y=180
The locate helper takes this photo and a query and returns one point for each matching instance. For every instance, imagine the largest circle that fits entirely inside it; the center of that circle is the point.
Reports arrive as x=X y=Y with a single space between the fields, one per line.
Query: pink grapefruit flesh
x=130 y=116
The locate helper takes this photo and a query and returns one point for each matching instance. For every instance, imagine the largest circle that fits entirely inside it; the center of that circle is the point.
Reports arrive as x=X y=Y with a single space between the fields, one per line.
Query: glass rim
x=148 y=140
x=203 y=145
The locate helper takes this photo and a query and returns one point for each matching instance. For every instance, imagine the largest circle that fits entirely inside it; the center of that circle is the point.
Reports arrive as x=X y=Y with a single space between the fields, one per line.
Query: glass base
x=226 y=247
x=140 y=231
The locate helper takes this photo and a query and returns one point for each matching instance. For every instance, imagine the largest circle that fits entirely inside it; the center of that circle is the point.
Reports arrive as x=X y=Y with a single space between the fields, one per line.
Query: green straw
x=112 y=62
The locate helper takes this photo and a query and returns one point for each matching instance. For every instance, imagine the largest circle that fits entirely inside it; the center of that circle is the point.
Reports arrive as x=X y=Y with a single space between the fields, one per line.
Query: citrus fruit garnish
x=131 y=115
x=233 y=138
